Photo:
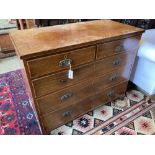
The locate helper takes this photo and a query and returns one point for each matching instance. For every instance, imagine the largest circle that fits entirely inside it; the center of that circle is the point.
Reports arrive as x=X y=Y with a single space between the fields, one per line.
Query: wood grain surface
x=63 y=37
x=101 y=54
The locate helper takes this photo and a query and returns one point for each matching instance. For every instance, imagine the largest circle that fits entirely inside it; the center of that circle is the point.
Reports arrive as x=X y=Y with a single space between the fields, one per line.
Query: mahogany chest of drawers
x=101 y=54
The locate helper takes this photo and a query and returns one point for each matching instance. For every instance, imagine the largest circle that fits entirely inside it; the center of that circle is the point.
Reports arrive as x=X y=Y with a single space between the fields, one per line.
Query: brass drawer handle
x=66 y=96
x=65 y=62
x=119 y=48
x=111 y=94
x=117 y=62
x=114 y=77
x=66 y=113
x=63 y=80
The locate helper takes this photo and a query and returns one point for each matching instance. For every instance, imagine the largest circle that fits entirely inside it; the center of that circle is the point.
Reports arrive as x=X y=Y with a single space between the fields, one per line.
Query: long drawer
x=65 y=97
x=118 y=46
x=55 y=119
x=53 y=63
x=55 y=82
x=110 y=79
x=109 y=64
x=108 y=94
x=64 y=115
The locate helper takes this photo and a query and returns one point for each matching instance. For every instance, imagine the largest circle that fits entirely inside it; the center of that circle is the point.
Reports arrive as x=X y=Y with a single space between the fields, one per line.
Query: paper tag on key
x=70 y=72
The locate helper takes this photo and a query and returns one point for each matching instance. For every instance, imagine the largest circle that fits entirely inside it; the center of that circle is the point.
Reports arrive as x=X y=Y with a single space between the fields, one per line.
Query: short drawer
x=109 y=94
x=53 y=63
x=65 y=97
x=55 y=82
x=110 y=79
x=109 y=64
x=58 y=118
x=115 y=47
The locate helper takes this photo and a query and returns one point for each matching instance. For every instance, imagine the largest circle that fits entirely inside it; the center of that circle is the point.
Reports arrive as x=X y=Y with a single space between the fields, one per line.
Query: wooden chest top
x=53 y=39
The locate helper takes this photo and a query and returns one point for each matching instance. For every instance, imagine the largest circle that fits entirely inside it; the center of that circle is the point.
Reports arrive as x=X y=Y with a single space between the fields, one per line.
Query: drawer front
x=65 y=97
x=116 y=47
x=64 y=115
x=110 y=79
x=107 y=65
x=52 y=83
x=109 y=94
x=54 y=63
x=57 y=118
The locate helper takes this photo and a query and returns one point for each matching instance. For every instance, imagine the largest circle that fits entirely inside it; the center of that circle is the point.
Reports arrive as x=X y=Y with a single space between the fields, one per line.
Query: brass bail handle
x=119 y=48
x=66 y=96
x=66 y=62
x=67 y=113
x=114 y=77
x=112 y=93
x=117 y=62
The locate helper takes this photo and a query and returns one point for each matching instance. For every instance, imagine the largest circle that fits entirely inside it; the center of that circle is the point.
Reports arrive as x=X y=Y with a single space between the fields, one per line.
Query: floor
x=9 y=64
x=6 y=26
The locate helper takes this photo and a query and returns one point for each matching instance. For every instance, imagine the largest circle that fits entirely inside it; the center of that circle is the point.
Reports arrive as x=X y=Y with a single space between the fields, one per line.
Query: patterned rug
x=16 y=113
x=133 y=114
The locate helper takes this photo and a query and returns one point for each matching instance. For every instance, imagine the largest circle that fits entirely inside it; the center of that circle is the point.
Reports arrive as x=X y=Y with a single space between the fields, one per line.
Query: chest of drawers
x=101 y=54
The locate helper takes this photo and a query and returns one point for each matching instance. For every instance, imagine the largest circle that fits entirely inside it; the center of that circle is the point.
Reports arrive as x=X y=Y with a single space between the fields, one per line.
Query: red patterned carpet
x=16 y=114
x=132 y=115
